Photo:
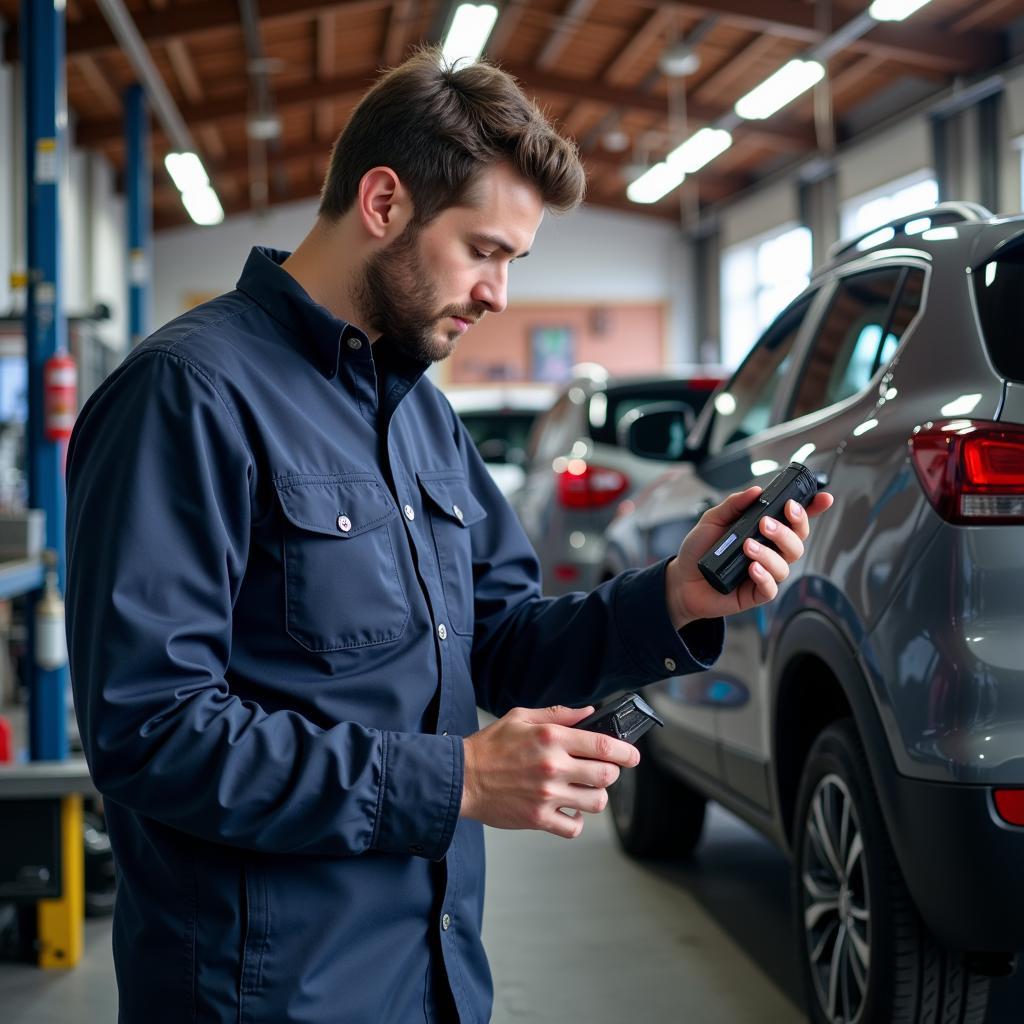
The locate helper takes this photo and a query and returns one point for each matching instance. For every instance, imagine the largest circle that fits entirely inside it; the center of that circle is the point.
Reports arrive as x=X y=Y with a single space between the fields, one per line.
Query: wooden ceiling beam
x=98 y=82
x=508 y=21
x=344 y=88
x=982 y=14
x=723 y=78
x=533 y=79
x=184 y=70
x=94 y=36
x=326 y=32
x=399 y=18
x=908 y=43
x=639 y=43
x=576 y=11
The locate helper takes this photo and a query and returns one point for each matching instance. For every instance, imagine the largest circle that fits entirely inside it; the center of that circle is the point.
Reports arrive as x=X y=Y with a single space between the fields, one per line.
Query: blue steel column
x=43 y=51
x=139 y=213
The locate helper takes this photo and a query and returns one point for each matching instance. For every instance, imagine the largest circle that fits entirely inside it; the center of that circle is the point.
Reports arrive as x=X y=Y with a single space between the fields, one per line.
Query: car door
x=826 y=387
x=691 y=704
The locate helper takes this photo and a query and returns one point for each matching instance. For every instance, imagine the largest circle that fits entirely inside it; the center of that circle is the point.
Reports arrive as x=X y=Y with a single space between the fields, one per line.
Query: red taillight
x=972 y=471
x=1010 y=805
x=582 y=485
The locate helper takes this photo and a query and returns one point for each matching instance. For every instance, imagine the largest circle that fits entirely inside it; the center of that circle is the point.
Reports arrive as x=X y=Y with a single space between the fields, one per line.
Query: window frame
x=902 y=262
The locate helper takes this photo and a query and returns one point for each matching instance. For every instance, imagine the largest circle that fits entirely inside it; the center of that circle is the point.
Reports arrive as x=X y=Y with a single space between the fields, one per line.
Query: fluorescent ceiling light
x=469 y=30
x=186 y=171
x=895 y=10
x=655 y=183
x=783 y=87
x=698 y=150
x=202 y=205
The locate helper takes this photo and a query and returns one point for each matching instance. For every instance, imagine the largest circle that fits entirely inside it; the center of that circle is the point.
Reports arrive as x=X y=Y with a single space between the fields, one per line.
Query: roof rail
x=955 y=212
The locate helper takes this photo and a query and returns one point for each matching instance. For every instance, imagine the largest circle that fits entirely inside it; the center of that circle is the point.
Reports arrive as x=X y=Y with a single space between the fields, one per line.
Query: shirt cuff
x=420 y=794
x=644 y=624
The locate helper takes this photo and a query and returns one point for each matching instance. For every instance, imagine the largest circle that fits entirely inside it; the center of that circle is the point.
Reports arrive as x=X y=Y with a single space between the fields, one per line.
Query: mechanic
x=291 y=583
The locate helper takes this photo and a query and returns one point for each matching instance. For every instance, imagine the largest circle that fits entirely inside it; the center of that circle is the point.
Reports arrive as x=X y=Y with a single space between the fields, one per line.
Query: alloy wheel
x=836 y=903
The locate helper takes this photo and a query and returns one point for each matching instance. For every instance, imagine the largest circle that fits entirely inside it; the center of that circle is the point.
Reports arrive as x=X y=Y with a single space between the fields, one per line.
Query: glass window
x=918 y=191
x=999 y=287
x=859 y=333
x=759 y=278
x=608 y=407
x=745 y=407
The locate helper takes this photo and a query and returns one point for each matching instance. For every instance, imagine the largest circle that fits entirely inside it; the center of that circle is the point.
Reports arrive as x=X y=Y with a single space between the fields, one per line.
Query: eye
x=478 y=254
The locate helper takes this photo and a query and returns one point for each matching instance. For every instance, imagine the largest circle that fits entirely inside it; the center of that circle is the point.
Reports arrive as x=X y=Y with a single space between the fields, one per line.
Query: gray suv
x=870 y=721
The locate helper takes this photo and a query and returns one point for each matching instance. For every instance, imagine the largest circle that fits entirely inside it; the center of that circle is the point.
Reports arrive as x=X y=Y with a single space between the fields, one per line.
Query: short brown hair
x=437 y=127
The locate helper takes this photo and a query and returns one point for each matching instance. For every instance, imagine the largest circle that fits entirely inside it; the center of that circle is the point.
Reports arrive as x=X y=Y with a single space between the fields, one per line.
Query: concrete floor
x=577 y=932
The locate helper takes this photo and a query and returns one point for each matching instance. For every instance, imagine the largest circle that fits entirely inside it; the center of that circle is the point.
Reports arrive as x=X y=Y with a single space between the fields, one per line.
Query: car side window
x=745 y=407
x=861 y=331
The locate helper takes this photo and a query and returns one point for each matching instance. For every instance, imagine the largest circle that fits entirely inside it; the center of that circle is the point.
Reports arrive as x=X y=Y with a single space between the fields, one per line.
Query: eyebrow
x=500 y=243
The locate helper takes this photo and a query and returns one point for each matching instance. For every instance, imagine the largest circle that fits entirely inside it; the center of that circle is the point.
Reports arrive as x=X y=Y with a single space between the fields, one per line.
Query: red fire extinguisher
x=60 y=396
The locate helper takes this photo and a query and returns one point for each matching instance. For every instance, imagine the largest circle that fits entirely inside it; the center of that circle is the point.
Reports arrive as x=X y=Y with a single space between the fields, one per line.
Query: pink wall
x=624 y=338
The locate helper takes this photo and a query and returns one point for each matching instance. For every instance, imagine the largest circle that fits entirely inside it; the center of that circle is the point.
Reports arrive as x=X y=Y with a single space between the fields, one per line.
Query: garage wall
x=761 y=211
x=588 y=255
x=894 y=154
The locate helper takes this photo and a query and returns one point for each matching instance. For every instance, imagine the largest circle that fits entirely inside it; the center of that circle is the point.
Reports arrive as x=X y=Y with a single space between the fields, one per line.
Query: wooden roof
x=591 y=64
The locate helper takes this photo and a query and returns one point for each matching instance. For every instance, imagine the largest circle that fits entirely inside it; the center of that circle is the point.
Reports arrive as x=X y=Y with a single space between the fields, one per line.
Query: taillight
x=583 y=485
x=971 y=470
x=1010 y=805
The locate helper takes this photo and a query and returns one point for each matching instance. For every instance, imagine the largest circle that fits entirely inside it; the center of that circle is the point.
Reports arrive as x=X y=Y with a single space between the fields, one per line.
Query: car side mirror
x=657 y=431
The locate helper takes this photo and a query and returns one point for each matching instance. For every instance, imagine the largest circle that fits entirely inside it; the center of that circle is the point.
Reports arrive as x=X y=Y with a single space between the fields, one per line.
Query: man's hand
x=690 y=596
x=524 y=767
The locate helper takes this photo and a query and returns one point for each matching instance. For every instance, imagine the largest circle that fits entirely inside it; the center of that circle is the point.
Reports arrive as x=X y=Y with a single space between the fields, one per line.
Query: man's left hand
x=691 y=597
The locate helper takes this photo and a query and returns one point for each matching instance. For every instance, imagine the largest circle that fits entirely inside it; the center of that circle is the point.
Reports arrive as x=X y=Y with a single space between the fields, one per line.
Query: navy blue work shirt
x=291 y=583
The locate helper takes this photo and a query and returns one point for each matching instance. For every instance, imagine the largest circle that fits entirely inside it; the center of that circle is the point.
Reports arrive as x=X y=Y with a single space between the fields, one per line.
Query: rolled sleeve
x=420 y=794
x=641 y=614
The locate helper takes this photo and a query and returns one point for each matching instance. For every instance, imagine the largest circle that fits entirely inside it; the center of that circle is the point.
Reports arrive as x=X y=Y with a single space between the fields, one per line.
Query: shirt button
x=355 y=344
x=442 y=631
x=445 y=733
x=458 y=512
x=446 y=922
x=409 y=513
x=344 y=524
x=670 y=664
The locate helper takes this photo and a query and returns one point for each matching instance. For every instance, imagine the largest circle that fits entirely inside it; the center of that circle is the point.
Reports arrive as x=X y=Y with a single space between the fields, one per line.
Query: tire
x=866 y=956
x=656 y=816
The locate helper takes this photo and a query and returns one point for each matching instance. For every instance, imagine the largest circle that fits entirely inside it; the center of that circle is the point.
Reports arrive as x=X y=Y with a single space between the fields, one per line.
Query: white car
x=499 y=418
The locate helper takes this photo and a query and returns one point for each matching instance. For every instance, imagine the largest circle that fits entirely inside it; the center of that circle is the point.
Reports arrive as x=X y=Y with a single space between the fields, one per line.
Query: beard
x=395 y=296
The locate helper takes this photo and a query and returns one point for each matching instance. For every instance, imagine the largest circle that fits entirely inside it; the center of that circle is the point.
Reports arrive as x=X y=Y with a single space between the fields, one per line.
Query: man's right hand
x=523 y=768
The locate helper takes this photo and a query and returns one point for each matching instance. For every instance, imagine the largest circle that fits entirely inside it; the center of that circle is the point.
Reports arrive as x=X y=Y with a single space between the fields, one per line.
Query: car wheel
x=655 y=814
x=866 y=956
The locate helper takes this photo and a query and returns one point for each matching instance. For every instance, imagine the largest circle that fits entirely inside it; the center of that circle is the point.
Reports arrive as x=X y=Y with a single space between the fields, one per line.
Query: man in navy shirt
x=291 y=583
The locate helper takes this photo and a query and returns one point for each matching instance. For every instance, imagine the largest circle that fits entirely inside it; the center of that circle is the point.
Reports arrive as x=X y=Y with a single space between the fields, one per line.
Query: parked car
x=577 y=469
x=870 y=720
x=499 y=420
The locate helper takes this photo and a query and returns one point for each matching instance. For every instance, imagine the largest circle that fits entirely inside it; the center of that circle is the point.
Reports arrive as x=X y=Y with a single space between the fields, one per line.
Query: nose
x=491 y=290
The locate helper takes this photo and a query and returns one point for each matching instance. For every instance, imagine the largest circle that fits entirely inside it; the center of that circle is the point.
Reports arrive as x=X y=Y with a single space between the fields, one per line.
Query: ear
x=384 y=203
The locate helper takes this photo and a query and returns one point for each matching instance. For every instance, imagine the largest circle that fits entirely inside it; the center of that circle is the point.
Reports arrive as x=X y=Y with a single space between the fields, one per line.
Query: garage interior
x=704 y=217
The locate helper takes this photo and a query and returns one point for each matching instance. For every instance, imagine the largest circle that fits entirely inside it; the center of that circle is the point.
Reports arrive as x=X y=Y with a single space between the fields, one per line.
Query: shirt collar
x=279 y=294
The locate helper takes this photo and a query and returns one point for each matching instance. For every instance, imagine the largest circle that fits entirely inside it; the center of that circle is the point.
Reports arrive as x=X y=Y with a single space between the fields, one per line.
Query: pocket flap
x=338 y=506
x=450 y=495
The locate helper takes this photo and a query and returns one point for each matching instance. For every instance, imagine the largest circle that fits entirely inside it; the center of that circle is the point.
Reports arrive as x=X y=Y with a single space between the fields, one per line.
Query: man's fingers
x=597 y=746
x=726 y=513
x=788 y=540
x=557 y=714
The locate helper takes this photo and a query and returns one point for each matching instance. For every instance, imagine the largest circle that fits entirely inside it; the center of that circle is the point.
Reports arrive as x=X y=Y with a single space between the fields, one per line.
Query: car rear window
x=999 y=287
x=511 y=426
x=609 y=406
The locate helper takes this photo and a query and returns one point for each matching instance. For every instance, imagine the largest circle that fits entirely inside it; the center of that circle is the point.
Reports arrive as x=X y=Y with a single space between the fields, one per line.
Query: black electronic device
x=725 y=565
x=627 y=718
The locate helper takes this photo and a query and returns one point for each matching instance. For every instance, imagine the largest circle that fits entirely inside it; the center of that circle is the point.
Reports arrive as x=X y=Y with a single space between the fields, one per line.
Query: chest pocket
x=453 y=509
x=342 y=584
